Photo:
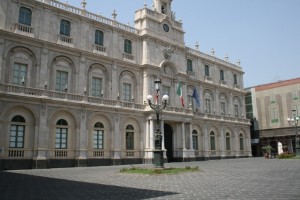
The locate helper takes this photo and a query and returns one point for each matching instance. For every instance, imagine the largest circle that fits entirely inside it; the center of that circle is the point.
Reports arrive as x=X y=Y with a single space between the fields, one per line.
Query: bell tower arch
x=163 y=7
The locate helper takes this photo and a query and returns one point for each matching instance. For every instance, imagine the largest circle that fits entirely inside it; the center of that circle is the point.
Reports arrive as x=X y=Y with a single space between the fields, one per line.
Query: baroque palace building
x=73 y=88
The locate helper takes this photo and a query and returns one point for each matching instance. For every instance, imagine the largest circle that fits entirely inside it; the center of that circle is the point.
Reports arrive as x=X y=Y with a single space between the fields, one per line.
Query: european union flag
x=196 y=97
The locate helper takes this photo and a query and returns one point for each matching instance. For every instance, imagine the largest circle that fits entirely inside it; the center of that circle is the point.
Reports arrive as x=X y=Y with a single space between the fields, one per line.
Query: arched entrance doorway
x=169 y=142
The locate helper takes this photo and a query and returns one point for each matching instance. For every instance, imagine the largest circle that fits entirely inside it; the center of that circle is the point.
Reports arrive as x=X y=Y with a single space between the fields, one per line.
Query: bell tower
x=163 y=7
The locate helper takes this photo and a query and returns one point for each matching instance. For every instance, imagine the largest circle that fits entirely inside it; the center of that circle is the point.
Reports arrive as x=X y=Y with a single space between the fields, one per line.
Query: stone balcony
x=15 y=91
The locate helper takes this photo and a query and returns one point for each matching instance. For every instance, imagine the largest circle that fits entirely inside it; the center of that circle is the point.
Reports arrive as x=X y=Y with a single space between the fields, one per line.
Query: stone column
x=217 y=106
x=145 y=58
x=42 y=138
x=191 y=136
x=206 y=142
x=236 y=143
x=222 y=143
x=192 y=151
x=183 y=136
x=82 y=156
x=202 y=103
x=184 y=150
x=248 y=143
x=151 y=134
x=147 y=138
x=117 y=140
x=230 y=106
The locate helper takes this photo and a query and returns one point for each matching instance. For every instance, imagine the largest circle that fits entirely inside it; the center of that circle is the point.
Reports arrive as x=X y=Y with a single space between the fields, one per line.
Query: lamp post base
x=158 y=159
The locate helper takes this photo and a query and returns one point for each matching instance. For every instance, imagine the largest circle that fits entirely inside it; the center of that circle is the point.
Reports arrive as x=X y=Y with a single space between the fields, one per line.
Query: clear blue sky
x=263 y=34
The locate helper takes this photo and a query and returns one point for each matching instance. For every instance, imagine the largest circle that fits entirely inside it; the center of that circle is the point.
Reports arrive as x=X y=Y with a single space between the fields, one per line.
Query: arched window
x=127 y=46
x=61 y=134
x=212 y=141
x=129 y=137
x=228 y=142
x=17 y=132
x=25 y=16
x=241 y=142
x=97 y=87
x=195 y=140
x=99 y=37
x=19 y=73
x=98 y=136
x=208 y=97
x=61 y=81
x=65 y=28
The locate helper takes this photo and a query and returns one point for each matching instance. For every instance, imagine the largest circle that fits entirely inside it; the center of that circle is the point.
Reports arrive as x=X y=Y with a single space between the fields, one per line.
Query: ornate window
x=189 y=65
x=65 y=28
x=99 y=37
x=195 y=140
x=19 y=74
x=223 y=108
x=61 y=81
x=207 y=105
x=212 y=141
x=17 y=132
x=206 y=70
x=241 y=142
x=61 y=136
x=128 y=46
x=127 y=92
x=221 y=75
x=273 y=98
x=97 y=87
x=228 y=145
x=237 y=106
x=129 y=137
x=274 y=114
x=98 y=136
x=295 y=95
x=25 y=16
x=235 y=79
x=236 y=110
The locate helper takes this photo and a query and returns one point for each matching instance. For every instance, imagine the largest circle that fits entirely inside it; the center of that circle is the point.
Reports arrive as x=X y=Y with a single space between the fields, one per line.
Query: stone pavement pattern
x=250 y=178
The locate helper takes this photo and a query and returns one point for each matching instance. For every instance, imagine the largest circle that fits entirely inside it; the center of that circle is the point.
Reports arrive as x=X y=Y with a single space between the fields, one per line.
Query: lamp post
x=158 y=152
x=294 y=122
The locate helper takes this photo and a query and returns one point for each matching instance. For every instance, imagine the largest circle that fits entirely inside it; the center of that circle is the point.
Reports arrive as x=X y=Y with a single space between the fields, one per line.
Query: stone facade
x=73 y=88
x=272 y=105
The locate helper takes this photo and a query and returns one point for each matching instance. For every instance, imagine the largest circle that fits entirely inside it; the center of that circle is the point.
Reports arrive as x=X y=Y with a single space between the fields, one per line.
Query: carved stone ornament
x=168 y=52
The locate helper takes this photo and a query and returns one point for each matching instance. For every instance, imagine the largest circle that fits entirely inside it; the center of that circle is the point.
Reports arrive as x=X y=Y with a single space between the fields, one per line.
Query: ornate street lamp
x=158 y=152
x=294 y=122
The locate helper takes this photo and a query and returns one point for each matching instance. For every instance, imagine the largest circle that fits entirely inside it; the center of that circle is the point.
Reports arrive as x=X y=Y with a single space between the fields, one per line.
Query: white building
x=73 y=88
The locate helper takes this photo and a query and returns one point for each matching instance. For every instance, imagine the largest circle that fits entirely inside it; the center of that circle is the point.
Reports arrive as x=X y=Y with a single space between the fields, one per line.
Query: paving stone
x=250 y=178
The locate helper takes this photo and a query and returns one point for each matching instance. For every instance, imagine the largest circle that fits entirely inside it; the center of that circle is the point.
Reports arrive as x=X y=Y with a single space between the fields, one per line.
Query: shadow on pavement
x=15 y=186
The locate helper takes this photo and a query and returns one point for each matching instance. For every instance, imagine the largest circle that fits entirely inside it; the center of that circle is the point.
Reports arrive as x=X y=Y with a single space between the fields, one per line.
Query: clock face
x=166 y=27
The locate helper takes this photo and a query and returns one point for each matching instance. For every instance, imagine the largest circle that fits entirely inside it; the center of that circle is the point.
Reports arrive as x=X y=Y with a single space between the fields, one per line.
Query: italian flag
x=179 y=93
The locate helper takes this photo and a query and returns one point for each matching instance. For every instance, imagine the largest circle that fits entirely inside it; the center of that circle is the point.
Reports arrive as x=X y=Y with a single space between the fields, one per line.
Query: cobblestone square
x=249 y=178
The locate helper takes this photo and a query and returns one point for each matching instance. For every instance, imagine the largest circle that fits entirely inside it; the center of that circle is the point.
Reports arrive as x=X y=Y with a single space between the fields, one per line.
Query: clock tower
x=160 y=30
x=163 y=6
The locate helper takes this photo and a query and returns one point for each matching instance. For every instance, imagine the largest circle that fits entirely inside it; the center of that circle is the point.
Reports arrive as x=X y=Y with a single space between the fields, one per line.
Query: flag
x=179 y=93
x=196 y=97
